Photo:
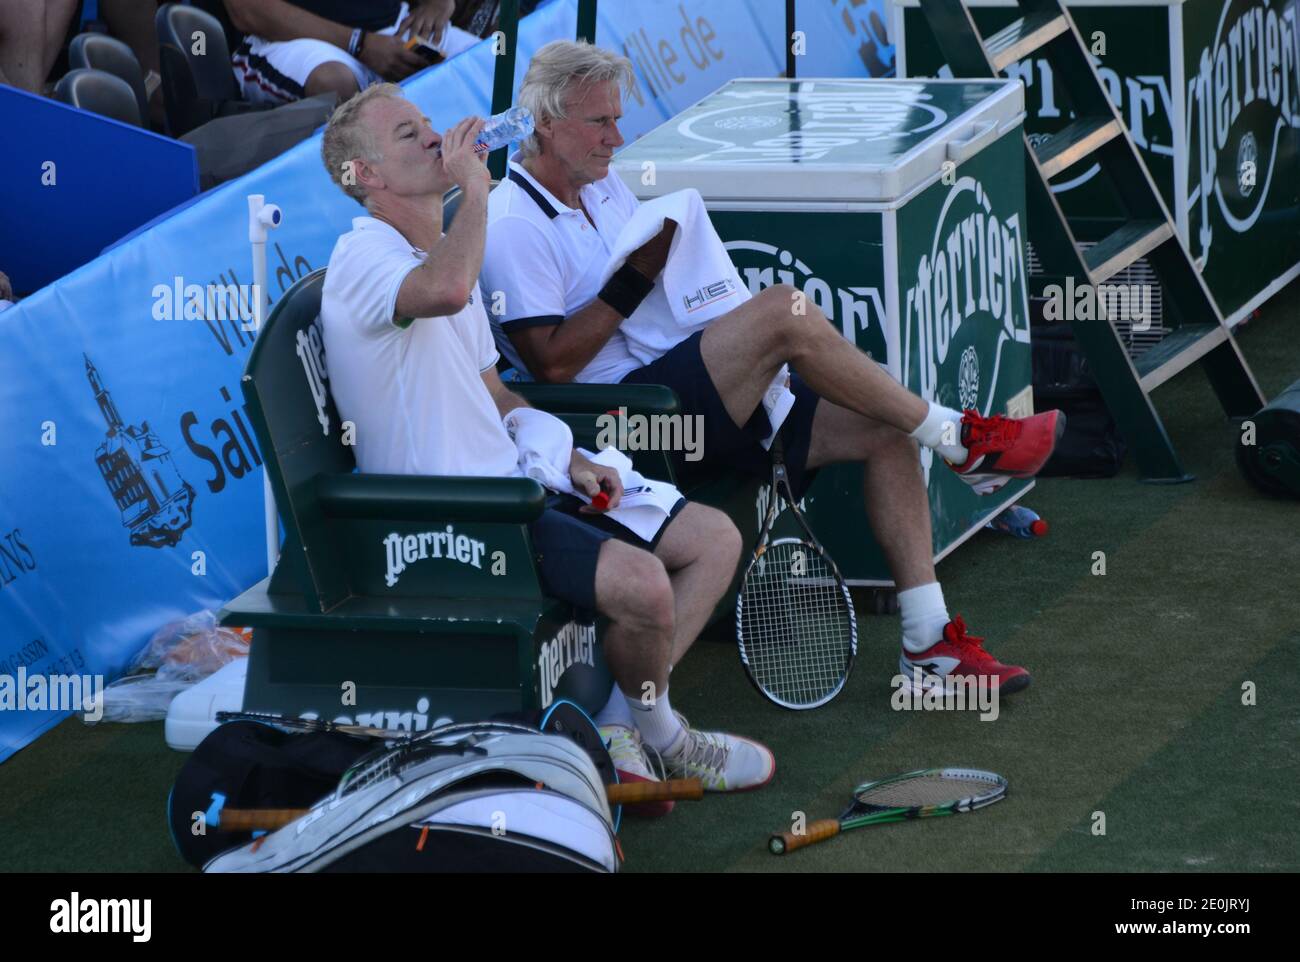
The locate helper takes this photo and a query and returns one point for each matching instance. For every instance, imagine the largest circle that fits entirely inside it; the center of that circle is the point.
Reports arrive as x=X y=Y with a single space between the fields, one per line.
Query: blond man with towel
x=573 y=290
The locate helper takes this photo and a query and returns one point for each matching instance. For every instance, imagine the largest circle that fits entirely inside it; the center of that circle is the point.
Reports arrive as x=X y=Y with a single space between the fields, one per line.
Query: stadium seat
x=100 y=93
x=98 y=51
x=363 y=593
x=197 y=87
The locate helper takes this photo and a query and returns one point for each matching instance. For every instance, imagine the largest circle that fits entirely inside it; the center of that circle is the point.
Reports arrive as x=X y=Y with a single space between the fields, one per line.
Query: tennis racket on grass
x=920 y=794
x=305 y=725
x=795 y=623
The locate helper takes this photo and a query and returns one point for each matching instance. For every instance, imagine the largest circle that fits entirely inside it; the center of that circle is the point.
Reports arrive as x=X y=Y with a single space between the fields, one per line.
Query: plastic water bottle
x=505 y=128
x=1019 y=521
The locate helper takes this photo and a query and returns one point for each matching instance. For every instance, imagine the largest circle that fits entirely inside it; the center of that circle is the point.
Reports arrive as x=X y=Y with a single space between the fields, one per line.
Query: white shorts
x=276 y=72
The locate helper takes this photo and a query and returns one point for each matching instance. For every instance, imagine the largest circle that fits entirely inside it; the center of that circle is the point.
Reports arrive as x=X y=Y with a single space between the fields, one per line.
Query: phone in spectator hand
x=424 y=48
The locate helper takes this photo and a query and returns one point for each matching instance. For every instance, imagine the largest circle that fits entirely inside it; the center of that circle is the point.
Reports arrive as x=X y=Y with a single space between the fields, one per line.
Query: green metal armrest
x=400 y=497
x=599 y=398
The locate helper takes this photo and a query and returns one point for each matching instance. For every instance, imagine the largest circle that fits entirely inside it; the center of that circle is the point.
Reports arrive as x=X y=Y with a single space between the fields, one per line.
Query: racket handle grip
x=257 y=819
x=677 y=789
x=269 y=819
x=818 y=831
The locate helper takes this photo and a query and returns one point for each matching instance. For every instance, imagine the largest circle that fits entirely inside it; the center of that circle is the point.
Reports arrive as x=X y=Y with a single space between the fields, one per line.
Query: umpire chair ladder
x=1199 y=334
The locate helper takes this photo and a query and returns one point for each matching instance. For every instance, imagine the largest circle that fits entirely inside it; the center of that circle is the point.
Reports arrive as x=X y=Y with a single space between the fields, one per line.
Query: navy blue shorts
x=725 y=443
x=567 y=545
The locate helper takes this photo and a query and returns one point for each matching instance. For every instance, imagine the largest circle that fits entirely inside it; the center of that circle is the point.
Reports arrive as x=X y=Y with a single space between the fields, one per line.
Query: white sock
x=615 y=711
x=656 y=722
x=940 y=424
x=924 y=614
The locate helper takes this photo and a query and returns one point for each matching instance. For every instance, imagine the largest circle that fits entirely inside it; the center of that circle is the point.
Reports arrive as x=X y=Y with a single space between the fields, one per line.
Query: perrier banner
x=1243 y=142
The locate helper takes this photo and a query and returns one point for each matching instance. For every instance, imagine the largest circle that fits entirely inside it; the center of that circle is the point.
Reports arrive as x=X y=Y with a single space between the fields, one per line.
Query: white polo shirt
x=414 y=391
x=546 y=259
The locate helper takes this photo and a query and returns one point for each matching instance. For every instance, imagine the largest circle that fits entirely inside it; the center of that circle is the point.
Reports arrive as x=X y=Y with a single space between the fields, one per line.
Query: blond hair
x=558 y=67
x=347 y=139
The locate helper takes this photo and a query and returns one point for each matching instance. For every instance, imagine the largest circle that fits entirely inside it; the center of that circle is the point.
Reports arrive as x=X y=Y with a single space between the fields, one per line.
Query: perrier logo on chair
x=154 y=499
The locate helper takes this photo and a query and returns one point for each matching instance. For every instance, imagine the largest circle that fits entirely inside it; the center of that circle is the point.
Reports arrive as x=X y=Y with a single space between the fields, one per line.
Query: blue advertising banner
x=130 y=482
x=62 y=191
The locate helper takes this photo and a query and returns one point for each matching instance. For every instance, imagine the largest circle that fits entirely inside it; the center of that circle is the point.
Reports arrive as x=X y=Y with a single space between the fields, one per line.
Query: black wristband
x=625 y=290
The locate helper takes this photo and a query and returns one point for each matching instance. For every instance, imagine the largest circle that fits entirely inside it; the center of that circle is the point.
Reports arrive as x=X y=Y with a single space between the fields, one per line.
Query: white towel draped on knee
x=545 y=446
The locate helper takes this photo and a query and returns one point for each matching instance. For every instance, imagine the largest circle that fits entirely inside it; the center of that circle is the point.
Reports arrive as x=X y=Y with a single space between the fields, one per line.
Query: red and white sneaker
x=633 y=765
x=955 y=658
x=1000 y=448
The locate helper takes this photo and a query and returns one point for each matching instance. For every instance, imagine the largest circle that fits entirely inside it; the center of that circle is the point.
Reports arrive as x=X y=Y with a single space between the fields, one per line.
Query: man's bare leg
x=24 y=61
x=744 y=348
x=893 y=487
x=331 y=77
x=700 y=549
x=633 y=590
x=132 y=22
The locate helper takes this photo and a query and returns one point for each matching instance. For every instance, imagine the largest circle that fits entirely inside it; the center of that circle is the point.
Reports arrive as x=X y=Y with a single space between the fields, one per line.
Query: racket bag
x=248 y=764
x=492 y=798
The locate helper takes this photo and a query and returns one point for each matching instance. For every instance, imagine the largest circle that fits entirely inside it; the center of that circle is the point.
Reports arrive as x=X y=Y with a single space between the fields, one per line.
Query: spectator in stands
x=6 y=291
x=299 y=48
x=132 y=22
x=552 y=225
x=31 y=34
x=480 y=17
x=426 y=399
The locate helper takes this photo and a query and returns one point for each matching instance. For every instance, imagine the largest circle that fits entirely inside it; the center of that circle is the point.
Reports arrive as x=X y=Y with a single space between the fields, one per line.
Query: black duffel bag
x=247 y=764
x=1091 y=446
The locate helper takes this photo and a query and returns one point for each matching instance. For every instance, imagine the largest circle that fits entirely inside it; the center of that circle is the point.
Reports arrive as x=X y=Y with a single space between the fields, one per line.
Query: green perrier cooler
x=898 y=208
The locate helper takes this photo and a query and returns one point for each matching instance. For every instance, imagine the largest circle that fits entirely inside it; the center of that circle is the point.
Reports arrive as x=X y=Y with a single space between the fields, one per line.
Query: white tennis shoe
x=631 y=760
x=723 y=762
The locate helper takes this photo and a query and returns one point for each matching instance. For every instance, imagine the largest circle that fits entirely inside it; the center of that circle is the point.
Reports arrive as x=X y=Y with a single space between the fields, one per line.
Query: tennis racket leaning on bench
x=921 y=794
x=795 y=623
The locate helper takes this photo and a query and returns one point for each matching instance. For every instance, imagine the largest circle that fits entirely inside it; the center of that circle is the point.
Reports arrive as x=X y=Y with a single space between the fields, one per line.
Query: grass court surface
x=1135 y=709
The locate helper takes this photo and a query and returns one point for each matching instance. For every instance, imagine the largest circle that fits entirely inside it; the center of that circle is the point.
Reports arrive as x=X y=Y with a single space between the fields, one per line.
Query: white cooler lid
x=835 y=140
x=1116 y=4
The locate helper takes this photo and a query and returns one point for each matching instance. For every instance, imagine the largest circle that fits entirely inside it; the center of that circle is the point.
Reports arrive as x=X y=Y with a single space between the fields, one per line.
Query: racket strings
x=388 y=762
x=796 y=623
x=923 y=790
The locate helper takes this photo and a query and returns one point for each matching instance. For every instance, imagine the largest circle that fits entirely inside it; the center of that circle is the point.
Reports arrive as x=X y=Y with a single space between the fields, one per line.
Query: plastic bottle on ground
x=1019 y=521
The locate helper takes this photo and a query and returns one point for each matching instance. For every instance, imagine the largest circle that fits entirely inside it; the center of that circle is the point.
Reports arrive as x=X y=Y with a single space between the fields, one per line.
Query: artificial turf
x=1136 y=709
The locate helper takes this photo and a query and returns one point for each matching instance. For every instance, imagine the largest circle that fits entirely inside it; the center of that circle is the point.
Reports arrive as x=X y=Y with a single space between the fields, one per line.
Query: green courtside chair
x=400 y=600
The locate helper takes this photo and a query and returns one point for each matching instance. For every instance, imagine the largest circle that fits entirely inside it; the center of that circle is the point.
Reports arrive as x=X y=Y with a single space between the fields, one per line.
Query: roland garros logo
x=1244 y=87
x=974 y=270
x=831 y=116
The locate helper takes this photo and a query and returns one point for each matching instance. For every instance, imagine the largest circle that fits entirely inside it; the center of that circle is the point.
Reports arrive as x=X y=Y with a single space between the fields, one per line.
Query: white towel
x=545 y=446
x=699 y=283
